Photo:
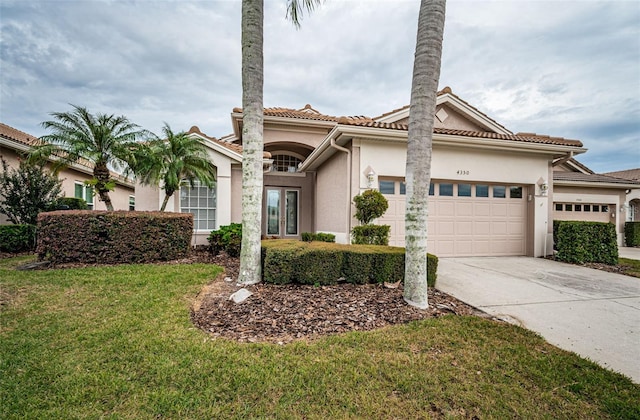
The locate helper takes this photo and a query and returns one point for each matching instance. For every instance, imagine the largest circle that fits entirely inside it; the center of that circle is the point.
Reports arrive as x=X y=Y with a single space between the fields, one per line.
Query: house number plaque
x=462 y=172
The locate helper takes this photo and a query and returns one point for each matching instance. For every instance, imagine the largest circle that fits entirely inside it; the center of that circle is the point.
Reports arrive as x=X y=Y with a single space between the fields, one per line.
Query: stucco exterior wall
x=470 y=165
x=236 y=194
x=69 y=176
x=308 y=136
x=332 y=197
x=614 y=198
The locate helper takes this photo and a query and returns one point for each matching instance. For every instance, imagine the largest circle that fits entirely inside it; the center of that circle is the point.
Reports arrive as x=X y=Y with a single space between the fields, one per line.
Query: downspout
x=348 y=152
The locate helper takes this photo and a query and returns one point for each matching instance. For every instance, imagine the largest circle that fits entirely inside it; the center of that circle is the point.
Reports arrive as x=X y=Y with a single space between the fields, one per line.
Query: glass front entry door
x=282 y=212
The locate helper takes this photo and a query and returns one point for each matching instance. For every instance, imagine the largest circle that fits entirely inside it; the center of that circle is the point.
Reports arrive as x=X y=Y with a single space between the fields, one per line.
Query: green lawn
x=629 y=267
x=117 y=343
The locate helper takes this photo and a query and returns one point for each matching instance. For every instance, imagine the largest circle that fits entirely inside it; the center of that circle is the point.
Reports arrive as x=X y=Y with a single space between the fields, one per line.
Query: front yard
x=117 y=342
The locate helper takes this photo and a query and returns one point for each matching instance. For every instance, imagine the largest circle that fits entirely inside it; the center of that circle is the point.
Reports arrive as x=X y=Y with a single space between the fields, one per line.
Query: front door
x=282 y=212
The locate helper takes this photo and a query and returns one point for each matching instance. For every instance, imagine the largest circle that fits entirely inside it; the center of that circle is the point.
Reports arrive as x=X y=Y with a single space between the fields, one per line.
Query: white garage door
x=464 y=219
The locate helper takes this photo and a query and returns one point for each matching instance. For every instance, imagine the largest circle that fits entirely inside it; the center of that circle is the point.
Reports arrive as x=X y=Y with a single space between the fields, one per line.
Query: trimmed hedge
x=288 y=261
x=371 y=235
x=584 y=242
x=632 y=234
x=320 y=237
x=113 y=237
x=70 y=203
x=17 y=238
x=228 y=238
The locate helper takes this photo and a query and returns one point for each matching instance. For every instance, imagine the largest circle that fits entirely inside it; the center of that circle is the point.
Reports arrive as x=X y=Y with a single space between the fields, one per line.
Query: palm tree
x=426 y=73
x=252 y=129
x=101 y=140
x=172 y=159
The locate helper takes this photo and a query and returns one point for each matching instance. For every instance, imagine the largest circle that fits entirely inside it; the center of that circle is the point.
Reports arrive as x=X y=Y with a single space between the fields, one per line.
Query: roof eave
x=596 y=184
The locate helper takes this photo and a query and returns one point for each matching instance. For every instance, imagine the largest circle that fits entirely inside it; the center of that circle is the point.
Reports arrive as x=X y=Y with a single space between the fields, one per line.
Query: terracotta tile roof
x=231 y=146
x=521 y=137
x=630 y=174
x=595 y=178
x=306 y=113
x=444 y=91
x=17 y=135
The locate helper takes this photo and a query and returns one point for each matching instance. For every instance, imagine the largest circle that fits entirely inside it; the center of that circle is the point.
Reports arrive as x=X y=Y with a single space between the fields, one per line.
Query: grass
x=117 y=343
x=629 y=267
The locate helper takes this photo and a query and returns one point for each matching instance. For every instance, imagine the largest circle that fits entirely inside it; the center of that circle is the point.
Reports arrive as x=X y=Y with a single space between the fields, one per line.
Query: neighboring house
x=581 y=194
x=15 y=144
x=491 y=194
x=633 y=195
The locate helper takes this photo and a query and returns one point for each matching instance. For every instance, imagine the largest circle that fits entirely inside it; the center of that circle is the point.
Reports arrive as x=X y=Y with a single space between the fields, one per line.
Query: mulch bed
x=281 y=314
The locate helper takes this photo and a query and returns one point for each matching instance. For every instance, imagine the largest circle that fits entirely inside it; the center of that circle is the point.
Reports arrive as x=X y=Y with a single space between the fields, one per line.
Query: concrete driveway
x=590 y=312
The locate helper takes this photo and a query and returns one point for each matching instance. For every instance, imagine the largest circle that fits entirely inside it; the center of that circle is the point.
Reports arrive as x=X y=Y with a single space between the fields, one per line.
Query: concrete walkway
x=593 y=313
x=627 y=252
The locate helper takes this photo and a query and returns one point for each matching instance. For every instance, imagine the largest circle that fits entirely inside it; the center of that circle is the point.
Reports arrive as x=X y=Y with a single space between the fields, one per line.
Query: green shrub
x=632 y=234
x=70 y=203
x=584 y=242
x=287 y=261
x=371 y=235
x=228 y=238
x=17 y=238
x=320 y=237
x=370 y=205
x=113 y=237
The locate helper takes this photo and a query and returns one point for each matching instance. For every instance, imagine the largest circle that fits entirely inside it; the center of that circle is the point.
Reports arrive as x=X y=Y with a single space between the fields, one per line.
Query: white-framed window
x=132 y=202
x=85 y=192
x=201 y=202
x=286 y=162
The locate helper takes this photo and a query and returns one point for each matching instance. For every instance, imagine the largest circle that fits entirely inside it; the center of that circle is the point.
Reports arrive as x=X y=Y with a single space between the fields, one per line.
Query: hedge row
x=632 y=234
x=320 y=237
x=371 y=235
x=113 y=237
x=17 y=238
x=583 y=242
x=288 y=261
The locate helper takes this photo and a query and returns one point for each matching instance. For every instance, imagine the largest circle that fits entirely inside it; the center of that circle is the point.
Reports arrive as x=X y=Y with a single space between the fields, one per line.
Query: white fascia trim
x=596 y=184
x=511 y=145
x=458 y=105
x=219 y=148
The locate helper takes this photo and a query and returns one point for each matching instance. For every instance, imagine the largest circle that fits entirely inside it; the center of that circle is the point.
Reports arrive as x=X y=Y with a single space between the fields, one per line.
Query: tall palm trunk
x=167 y=195
x=426 y=73
x=102 y=176
x=252 y=141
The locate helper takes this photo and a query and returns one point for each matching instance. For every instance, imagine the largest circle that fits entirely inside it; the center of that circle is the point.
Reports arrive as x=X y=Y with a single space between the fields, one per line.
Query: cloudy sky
x=563 y=68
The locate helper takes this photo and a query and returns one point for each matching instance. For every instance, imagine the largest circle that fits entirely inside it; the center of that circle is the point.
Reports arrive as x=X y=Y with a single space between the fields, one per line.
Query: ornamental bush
x=116 y=237
x=288 y=261
x=632 y=234
x=228 y=238
x=370 y=205
x=370 y=235
x=17 y=238
x=585 y=242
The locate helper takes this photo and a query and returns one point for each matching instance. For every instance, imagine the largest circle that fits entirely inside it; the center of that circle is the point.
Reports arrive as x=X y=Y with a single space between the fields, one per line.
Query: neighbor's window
x=387 y=187
x=132 y=203
x=604 y=209
x=464 y=190
x=596 y=208
x=403 y=188
x=201 y=202
x=558 y=207
x=85 y=192
x=431 y=189
x=577 y=207
x=482 y=191
x=285 y=163
x=568 y=207
x=587 y=207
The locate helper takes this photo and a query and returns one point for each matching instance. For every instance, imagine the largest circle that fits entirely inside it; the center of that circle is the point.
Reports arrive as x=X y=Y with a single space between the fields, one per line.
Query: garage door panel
x=466 y=226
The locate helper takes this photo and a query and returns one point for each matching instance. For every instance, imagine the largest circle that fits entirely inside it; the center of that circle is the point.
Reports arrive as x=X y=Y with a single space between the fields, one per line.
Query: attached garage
x=465 y=219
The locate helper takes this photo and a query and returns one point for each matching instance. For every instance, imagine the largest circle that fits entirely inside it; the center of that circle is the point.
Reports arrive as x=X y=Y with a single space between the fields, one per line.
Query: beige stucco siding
x=308 y=137
x=331 y=197
x=574 y=195
x=467 y=165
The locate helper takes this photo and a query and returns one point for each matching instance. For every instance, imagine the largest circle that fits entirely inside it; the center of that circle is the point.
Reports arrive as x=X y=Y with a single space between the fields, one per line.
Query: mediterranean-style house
x=493 y=192
x=15 y=144
x=633 y=195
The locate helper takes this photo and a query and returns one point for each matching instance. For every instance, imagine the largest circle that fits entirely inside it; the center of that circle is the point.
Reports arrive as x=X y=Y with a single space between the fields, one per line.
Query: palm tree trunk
x=165 y=201
x=252 y=141
x=426 y=73
x=102 y=175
